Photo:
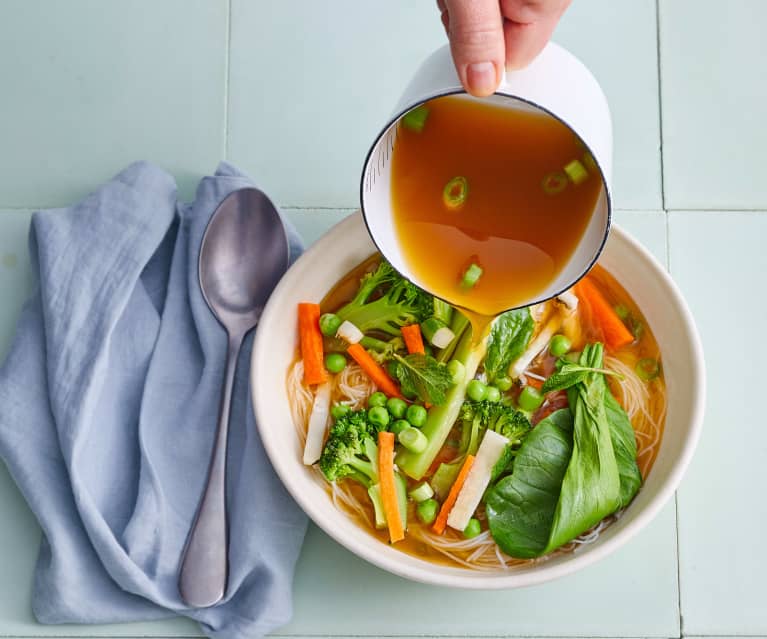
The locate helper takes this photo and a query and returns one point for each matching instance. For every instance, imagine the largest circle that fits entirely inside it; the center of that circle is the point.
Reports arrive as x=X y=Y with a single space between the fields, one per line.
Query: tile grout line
x=227 y=78
x=660 y=105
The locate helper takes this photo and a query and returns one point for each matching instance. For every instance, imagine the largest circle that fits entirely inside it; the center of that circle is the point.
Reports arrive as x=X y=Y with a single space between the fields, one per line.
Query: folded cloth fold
x=109 y=400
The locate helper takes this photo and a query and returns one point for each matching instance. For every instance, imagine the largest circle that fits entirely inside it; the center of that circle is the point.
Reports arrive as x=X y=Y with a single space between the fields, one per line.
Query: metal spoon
x=244 y=253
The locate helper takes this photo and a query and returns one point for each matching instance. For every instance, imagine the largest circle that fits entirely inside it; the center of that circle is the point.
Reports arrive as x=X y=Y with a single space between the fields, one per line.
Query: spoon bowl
x=243 y=255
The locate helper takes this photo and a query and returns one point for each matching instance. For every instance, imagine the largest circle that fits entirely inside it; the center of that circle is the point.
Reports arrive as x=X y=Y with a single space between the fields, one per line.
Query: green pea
x=413 y=439
x=399 y=425
x=503 y=383
x=530 y=399
x=493 y=394
x=335 y=362
x=416 y=415
x=396 y=407
x=476 y=390
x=427 y=511
x=457 y=371
x=472 y=529
x=329 y=323
x=377 y=399
x=339 y=410
x=559 y=345
x=378 y=416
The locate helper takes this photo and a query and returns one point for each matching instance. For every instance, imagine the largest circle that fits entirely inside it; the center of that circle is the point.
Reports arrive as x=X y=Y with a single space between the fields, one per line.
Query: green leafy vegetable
x=508 y=339
x=570 y=374
x=520 y=508
x=422 y=376
x=575 y=468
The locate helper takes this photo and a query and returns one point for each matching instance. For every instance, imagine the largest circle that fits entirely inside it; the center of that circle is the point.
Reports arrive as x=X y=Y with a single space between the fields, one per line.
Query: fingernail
x=481 y=78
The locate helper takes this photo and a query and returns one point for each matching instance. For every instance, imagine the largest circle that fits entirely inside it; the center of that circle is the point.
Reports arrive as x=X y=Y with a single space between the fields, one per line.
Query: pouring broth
x=489 y=203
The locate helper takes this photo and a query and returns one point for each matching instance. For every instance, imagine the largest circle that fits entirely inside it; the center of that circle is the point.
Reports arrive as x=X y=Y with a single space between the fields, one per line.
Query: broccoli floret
x=476 y=417
x=401 y=303
x=351 y=450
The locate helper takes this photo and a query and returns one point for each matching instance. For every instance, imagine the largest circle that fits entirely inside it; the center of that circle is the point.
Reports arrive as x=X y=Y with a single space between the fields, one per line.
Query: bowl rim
x=418 y=570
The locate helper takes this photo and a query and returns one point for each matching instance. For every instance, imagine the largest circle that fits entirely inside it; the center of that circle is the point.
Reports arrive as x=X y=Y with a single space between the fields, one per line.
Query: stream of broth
x=519 y=232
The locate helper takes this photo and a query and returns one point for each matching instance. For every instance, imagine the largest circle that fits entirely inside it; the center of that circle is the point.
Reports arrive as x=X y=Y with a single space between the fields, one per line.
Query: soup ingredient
x=530 y=399
x=520 y=507
x=476 y=390
x=648 y=368
x=473 y=528
x=443 y=311
x=509 y=336
x=471 y=276
x=422 y=492
x=413 y=440
x=503 y=383
x=427 y=511
x=539 y=343
x=458 y=325
x=415 y=119
x=566 y=476
x=329 y=324
x=399 y=425
x=614 y=331
x=318 y=421
x=402 y=304
x=441 y=522
x=373 y=370
x=576 y=172
x=441 y=418
x=422 y=376
x=569 y=299
x=559 y=345
x=457 y=371
x=554 y=183
x=455 y=193
x=490 y=451
x=625 y=448
x=396 y=407
x=569 y=374
x=416 y=415
x=349 y=333
x=311 y=343
x=377 y=399
x=437 y=332
x=481 y=416
x=378 y=416
x=493 y=394
x=413 y=340
x=339 y=410
x=335 y=362
x=388 y=489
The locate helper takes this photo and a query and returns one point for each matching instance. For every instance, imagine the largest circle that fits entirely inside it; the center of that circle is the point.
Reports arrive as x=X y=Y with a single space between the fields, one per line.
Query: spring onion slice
x=455 y=193
x=415 y=119
x=648 y=368
x=422 y=492
x=576 y=172
x=554 y=183
x=471 y=276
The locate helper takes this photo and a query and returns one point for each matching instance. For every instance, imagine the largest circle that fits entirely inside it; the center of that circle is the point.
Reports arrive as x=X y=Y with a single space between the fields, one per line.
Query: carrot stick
x=532 y=381
x=311 y=343
x=388 y=490
x=374 y=371
x=440 y=523
x=413 y=339
x=613 y=329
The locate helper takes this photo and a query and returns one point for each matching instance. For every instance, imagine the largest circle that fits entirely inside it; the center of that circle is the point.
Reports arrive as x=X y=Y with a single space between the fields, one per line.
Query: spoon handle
x=205 y=565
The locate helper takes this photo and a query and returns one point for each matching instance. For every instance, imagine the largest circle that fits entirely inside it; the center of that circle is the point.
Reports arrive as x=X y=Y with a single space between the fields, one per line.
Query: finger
x=444 y=15
x=527 y=27
x=477 y=42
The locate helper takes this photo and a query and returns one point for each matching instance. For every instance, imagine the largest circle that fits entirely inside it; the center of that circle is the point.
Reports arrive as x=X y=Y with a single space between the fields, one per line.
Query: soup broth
x=509 y=191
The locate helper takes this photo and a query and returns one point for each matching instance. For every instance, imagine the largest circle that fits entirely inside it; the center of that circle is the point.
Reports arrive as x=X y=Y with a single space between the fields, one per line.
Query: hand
x=488 y=35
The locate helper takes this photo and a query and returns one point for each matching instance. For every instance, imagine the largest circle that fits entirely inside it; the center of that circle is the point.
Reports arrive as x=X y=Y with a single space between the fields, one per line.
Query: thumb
x=475 y=30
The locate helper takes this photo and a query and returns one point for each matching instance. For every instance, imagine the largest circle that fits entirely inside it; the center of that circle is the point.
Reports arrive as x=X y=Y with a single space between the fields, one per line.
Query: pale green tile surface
x=89 y=86
x=719 y=262
x=617 y=41
x=714 y=88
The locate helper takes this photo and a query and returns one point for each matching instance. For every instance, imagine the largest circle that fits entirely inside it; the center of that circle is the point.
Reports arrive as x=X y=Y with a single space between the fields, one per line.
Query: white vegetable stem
x=443 y=337
x=349 y=333
x=536 y=346
x=569 y=299
x=490 y=451
x=318 y=421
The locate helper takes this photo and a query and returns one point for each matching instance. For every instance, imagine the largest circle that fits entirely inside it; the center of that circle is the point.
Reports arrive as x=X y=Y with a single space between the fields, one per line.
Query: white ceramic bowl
x=348 y=244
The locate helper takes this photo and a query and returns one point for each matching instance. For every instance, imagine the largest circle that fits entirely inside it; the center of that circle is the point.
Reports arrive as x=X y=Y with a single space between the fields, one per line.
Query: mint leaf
x=422 y=376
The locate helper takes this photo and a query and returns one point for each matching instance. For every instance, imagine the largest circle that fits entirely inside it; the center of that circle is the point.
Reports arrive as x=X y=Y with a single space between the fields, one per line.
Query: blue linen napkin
x=108 y=406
